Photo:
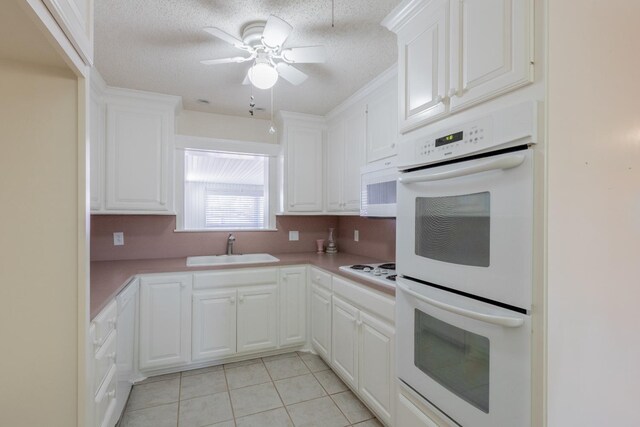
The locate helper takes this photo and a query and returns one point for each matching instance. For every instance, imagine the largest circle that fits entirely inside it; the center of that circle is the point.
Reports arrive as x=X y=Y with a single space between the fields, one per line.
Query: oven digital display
x=448 y=139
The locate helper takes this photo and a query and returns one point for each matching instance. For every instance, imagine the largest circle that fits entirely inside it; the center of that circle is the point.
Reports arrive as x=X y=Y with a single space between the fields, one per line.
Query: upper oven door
x=468 y=226
x=469 y=359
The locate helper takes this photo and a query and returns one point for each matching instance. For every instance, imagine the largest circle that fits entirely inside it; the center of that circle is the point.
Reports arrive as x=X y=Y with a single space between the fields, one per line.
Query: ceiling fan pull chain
x=332 y=12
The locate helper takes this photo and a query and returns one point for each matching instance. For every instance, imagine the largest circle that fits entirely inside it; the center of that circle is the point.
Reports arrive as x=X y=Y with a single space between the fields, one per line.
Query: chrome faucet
x=230 y=240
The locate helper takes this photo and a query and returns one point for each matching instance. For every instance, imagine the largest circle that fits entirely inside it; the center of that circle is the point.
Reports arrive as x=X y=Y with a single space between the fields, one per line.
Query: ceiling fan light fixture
x=263 y=75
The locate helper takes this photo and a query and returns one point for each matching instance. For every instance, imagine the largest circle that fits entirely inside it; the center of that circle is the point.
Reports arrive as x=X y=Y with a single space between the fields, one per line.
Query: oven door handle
x=506 y=321
x=493 y=164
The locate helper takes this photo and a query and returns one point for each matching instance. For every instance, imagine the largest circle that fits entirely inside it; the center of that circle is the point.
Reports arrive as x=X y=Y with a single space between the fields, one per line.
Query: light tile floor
x=292 y=389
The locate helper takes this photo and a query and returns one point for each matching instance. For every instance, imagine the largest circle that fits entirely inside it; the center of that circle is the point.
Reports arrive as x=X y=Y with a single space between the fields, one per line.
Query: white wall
x=39 y=234
x=594 y=214
x=196 y=123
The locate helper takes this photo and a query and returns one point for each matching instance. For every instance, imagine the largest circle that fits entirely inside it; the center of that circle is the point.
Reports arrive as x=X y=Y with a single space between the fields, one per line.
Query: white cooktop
x=376 y=273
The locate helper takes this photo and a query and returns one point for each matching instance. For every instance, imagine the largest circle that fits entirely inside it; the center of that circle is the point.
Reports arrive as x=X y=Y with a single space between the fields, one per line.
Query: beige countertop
x=110 y=277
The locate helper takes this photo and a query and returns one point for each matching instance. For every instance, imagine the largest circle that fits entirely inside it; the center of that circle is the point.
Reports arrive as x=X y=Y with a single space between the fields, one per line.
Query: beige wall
x=196 y=123
x=593 y=213
x=38 y=246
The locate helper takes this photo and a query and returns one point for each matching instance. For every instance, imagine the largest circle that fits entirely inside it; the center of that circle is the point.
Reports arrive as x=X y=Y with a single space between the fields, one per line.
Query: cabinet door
x=376 y=365
x=257 y=322
x=382 y=125
x=335 y=165
x=354 y=143
x=422 y=45
x=96 y=147
x=75 y=17
x=344 y=340
x=214 y=324
x=491 y=49
x=165 y=321
x=293 y=303
x=138 y=158
x=321 y=321
x=304 y=166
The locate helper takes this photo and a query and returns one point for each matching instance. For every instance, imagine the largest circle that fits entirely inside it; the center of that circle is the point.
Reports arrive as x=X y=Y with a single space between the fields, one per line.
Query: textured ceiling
x=156 y=45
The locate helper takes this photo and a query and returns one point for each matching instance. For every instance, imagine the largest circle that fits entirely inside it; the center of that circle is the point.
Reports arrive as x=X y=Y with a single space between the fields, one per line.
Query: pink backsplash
x=153 y=236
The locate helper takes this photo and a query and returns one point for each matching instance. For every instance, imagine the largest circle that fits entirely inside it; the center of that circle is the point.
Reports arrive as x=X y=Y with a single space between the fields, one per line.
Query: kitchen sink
x=203 y=261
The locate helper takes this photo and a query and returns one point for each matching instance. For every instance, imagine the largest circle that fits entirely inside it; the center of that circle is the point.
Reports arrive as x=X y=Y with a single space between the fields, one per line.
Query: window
x=225 y=191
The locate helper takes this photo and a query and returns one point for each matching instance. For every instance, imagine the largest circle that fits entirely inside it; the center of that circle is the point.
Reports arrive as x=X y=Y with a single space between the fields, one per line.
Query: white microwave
x=378 y=191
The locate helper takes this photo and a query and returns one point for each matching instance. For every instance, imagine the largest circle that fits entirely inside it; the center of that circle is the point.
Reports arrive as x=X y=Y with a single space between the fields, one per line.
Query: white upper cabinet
x=132 y=140
x=301 y=172
x=382 y=123
x=75 y=17
x=455 y=54
x=422 y=58
x=491 y=49
x=345 y=155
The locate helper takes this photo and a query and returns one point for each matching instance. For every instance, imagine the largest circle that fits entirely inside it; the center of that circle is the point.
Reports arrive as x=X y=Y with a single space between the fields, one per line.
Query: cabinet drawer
x=105 y=322
x=319 y=277
x=235 y=277
x=106 y=400
x=105 y=358
x=379 y=304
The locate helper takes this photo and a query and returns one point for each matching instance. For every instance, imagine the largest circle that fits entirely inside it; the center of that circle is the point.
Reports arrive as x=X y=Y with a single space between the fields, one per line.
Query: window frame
x=271 y=151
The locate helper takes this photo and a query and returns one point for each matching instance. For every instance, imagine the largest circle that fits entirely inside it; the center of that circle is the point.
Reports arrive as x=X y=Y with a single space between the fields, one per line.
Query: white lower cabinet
x=344 y=340
x=214 y=324
x=320 y=307
x=293 y=303
x=165 y=321
x=363 y=345
x=257 y=318
x=376 y=364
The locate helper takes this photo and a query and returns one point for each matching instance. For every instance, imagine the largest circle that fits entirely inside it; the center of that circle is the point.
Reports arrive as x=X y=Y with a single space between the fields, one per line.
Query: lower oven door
x=470 y=360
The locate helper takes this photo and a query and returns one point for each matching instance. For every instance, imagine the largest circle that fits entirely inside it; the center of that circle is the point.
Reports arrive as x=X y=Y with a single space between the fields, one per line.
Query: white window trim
x=184 y=142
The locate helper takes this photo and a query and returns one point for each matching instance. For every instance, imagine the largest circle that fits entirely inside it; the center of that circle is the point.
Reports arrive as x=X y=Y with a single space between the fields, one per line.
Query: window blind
x=223 y=191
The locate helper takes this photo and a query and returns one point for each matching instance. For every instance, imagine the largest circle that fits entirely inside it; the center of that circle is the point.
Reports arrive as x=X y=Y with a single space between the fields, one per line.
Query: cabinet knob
x=97 y=343
x=393 y=145
x=453 y=92
x=241 y=298
x=359 y=322
x=112 y=322
x=232 y=300
x=439 y=99
x=111 y=394
x=317 y=279
x=284 y=279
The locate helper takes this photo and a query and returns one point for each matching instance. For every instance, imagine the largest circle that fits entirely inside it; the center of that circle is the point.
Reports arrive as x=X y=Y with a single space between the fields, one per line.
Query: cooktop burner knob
x=366 y=269
x=377 y=272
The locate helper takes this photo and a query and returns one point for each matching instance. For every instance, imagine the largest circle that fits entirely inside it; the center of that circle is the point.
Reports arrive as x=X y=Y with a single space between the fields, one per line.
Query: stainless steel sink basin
x=203 y=261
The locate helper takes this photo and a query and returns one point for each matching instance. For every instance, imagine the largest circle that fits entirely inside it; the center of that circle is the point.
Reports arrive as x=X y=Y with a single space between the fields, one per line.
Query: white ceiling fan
x=264 y=42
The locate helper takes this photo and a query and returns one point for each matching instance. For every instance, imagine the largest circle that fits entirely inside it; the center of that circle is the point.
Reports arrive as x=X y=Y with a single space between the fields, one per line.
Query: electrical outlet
x=356 y=236
x=294 y=235
x=118 y=238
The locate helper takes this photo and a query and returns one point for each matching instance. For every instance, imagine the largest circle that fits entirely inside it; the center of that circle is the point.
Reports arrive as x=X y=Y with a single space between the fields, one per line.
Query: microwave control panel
x=470 y=138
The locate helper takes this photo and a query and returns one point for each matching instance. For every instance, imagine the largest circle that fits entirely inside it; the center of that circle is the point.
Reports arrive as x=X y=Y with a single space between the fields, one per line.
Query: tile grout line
x=179 y=396
x=226 y=381
x=276 y=388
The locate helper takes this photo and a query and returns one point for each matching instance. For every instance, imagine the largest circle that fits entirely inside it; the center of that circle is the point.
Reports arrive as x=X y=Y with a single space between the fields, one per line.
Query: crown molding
x=402 y=13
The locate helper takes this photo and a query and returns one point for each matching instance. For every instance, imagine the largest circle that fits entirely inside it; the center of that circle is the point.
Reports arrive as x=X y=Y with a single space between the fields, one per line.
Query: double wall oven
x=464 y=264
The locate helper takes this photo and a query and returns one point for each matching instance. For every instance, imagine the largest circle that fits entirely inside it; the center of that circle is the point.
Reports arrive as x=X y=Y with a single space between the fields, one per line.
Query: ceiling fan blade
x=275 y=31
x=246 y=80
x=291 y=73
x=307 y=54
x=236 y=59
x=217 y=32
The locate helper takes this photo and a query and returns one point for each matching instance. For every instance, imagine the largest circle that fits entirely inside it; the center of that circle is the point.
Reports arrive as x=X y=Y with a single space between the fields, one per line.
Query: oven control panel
x=470 y=138
x=454 y=138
